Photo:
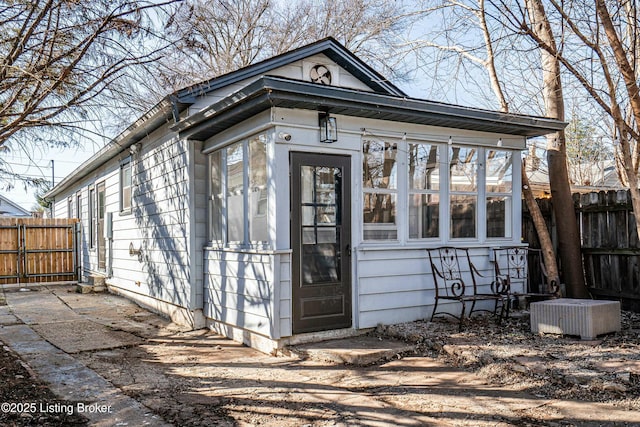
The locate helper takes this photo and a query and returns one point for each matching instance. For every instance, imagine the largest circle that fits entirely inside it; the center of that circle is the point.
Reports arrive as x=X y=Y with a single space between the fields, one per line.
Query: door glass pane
x=101 y=240
x=306 y=178
x=321 y=194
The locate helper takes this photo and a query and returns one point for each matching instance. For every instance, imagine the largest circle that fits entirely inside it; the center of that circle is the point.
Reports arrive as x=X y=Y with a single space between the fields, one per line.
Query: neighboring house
x=604 y=175
x=11 y=209
x=296 y=196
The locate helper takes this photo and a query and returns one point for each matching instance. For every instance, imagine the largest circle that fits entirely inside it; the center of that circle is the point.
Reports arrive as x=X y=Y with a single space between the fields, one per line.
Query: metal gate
x=34 y=250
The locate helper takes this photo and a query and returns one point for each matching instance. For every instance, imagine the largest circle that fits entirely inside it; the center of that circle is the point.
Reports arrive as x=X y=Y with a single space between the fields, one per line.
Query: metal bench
x=449 y=265
x=515 y=273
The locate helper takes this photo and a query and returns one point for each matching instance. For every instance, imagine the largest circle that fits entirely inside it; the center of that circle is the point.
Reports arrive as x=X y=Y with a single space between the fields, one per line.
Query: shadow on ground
x=198 y=378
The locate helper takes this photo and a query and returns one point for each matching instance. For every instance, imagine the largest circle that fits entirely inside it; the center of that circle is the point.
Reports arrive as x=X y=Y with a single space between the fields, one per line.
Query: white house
x=294 y=198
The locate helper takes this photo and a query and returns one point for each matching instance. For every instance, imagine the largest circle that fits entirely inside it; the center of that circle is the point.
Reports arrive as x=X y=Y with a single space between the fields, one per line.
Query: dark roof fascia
x=329 y=46
x=160 y=114
x=274 y=91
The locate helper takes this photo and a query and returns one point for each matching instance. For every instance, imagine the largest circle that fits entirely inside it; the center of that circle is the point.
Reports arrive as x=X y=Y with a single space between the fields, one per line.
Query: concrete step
x=86 y=288
x=360 y=350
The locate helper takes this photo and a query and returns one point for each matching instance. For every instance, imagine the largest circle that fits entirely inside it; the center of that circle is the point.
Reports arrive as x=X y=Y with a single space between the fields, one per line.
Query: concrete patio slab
x=75 y=382
x=7 y=317
x=361 y=350
x=84 y=335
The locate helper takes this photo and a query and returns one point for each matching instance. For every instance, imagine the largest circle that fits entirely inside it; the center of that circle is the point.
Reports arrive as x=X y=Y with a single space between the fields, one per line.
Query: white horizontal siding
x=158 y=223
x=396 y=285
x=238 y=290
x=286 y=317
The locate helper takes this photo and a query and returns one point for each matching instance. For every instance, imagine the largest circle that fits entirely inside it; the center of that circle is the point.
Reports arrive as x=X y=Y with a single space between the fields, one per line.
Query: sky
x=65 y=161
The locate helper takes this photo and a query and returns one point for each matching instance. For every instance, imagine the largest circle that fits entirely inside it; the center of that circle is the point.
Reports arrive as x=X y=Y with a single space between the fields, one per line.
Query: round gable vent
x=320 y=74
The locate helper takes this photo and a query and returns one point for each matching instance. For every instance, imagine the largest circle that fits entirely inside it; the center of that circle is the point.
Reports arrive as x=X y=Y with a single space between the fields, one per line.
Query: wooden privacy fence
x=34 y=250
x=610 y=246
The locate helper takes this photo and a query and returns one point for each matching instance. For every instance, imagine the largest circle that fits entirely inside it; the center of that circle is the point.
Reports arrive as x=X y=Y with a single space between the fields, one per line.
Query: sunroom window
x=472 y=185
x=463 y=192
x=424 y=188
x=235 y=193
x=498 y=193
x=238 y=193
x=380 y=189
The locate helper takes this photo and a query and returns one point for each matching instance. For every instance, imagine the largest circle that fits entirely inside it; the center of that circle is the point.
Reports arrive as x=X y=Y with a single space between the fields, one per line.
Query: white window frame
x=246 y=242
x=394 y=192
x=410 y=192
x=403 y=193
x=508 y=227
x=124 y=209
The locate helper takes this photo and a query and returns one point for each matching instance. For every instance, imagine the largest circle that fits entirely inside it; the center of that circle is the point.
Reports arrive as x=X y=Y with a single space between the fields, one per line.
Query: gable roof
x=328 y=46
x=9 y=208
x=269 y=92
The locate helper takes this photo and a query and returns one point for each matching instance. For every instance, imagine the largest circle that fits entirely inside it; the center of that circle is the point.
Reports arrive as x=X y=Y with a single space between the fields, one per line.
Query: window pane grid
x=380 y=187
x=424 y=185
x=238 y=194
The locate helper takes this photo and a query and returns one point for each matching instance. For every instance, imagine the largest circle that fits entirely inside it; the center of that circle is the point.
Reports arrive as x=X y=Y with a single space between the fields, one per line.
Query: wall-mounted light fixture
x=328 y=128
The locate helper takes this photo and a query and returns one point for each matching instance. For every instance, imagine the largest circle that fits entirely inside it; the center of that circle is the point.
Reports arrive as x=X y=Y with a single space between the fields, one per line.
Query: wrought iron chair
x=514 y=273
x=450 y=284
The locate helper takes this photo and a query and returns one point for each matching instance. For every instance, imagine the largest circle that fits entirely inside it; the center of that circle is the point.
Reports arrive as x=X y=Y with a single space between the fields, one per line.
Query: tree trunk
x=548 y=254
x=568 y=233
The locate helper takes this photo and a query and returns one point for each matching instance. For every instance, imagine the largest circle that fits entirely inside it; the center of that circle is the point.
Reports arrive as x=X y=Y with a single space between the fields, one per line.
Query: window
x=235 y=193
x=498 y=193
x=257 y=191
x=463 y=192
x=380 y=189
x=424 y=189
x=216 y=205
x=70 y=208
x=79 y=205
x=125 y=186
x=472 y=185
x=92 y=218
x=238 y=193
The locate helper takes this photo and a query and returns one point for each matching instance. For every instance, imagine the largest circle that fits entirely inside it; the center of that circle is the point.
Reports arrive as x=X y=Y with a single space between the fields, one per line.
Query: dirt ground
x=19 y=385
x=548 y=366
x=484 y=376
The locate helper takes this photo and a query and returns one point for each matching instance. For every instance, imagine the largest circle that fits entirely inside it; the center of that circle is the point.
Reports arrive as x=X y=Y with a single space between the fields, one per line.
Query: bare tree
x=588 y=154
x=214 y=37
x=60 y=62
x=484 y=53
x=568 y=231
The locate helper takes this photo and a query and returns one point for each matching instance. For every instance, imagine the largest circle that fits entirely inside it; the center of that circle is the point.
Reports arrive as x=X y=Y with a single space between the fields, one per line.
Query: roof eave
x=161 y=113
x=272 y=91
